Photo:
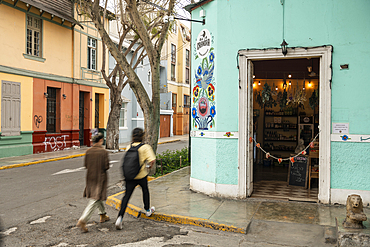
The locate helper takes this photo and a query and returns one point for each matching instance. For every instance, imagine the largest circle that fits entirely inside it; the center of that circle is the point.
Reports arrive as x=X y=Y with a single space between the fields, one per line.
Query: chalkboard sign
x=298 y=172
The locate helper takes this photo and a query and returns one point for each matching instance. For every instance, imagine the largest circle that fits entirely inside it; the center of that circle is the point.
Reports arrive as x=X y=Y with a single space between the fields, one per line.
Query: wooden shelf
x=280 y=128
x=271 y=140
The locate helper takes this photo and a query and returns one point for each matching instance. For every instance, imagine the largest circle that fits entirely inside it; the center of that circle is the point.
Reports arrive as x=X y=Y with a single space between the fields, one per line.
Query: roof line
x=194 y=6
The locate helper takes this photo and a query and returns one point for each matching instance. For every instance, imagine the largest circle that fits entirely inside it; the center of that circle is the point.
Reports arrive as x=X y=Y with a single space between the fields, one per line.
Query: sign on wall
x=204 y=104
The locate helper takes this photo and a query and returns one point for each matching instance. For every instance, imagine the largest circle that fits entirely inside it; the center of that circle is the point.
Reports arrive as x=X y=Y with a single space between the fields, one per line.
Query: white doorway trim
x=245 y=182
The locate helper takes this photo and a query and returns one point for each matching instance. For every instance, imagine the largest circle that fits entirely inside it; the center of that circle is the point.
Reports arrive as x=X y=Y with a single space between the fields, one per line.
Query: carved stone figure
x=355 y=214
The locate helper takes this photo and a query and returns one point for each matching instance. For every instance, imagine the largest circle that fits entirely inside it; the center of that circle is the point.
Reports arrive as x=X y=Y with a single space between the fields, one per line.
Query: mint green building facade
x=238 y=32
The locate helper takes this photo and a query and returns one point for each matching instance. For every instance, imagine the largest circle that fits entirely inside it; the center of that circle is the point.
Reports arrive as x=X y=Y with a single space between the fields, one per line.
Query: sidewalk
x=290 y=223
x=31 y=159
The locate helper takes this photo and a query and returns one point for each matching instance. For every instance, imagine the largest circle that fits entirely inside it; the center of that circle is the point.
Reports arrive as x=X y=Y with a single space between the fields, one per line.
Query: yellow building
x=52 y=93
x=176 y=51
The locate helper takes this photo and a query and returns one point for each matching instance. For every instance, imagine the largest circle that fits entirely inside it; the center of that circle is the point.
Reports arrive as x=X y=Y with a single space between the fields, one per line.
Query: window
x=174 y=27
x=51 y=110
x=91 y=53
x=123 y=116
x=33 y=36
x=173 y=62
x=186 y=101
x=174 y=100
x=187 y=64
x=10 y=108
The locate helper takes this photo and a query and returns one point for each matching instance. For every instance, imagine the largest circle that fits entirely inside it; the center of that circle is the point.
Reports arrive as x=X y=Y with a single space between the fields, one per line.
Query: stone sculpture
x=355 y=214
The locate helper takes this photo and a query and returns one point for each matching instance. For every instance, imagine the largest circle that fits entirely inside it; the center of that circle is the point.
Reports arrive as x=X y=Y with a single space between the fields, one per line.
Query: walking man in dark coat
x=97 y=164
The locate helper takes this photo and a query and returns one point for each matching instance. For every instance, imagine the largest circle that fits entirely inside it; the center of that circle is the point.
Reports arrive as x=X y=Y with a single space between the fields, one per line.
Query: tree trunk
x=152 y=120
x=113 y=120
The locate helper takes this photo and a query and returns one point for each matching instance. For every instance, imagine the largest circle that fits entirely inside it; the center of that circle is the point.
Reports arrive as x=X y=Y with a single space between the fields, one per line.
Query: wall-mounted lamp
x=259 y=83
x=290 y=83
x=254 y=76
x=46 y=95
x=304 y=85
x=167 y=18
x=290 y=75
x=309 y=83
x=276 y=88
x=254 y=84
x=284 y=45
x=64 y=96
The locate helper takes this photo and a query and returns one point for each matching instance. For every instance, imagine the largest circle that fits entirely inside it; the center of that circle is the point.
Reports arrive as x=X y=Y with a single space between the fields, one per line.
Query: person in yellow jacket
x=147 y=160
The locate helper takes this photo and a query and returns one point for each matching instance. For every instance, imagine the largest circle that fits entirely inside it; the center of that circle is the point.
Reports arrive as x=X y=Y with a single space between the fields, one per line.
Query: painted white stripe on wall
x=212 y=189
x=350 y=138
x=214 y=134
x=340 y=196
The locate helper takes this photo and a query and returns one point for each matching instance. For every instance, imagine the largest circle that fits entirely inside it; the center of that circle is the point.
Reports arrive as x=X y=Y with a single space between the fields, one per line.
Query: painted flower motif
x=196 y=91
x=268 y=155
x=228 y=134
x=199 y=70
x=292 y=159
x=211 y=57
x=202 y=134
x=213 y=111
x=345 y=138
x=280 y=160
x=194 y=112
x=250 y=139
x=258 y=145
x=210 y=126
x=210 y=90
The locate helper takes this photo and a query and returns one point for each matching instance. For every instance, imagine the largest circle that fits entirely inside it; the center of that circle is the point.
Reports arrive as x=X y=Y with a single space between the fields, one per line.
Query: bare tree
x=141 y=22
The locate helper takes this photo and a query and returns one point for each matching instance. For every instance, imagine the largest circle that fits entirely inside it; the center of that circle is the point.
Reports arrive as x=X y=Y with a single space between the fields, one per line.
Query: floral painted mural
x=204 y=105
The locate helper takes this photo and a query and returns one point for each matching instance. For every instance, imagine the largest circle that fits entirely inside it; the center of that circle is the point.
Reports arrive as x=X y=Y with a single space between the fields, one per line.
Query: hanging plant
x=314 y=99
x=298 y=99
x=266 y=95
x=282 y=98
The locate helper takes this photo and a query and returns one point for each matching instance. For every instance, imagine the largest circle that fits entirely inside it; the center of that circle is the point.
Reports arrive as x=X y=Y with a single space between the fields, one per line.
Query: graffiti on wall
x=56 y=143
x=38 y=120
x=204 y=104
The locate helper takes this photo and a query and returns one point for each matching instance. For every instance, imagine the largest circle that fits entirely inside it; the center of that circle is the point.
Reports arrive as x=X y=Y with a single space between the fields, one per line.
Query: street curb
x=41 y=161
x=61 y=158
x=172 y=218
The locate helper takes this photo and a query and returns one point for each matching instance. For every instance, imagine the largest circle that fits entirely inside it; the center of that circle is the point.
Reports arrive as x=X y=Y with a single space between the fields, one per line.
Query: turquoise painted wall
x=242 y=24
x=204 y=159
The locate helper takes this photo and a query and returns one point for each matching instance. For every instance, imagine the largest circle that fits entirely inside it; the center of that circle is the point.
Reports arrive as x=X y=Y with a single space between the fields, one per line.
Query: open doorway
x=285 y=123
x=247 y=153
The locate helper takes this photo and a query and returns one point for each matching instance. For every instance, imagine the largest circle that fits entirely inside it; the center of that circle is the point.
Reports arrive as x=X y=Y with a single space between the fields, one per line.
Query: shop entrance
x=285 y=123
x=278 y=128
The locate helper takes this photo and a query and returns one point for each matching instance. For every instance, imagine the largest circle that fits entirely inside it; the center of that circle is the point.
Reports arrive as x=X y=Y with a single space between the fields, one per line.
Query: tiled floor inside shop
x=281 y=190
x=270 y=182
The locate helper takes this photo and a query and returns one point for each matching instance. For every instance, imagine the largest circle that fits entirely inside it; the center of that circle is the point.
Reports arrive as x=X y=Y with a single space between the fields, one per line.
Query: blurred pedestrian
x=147 y=160
x=97 y=164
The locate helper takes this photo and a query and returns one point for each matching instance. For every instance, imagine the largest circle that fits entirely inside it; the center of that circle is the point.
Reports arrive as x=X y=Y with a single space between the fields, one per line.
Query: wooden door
x=165 y=126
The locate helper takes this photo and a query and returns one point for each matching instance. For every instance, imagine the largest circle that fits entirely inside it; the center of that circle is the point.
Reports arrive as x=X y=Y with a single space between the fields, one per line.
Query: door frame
x=246 y=57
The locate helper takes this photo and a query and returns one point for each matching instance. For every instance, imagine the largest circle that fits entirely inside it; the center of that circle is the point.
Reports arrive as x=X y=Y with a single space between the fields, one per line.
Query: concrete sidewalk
x=31 y=159
x=290 y=223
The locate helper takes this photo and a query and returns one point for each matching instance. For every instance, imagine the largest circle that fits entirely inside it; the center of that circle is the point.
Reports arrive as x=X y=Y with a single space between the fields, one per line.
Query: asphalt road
x=40 y=205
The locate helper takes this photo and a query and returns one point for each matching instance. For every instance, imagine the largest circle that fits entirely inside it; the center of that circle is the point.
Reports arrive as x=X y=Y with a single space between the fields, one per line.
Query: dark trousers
x=130 y=186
